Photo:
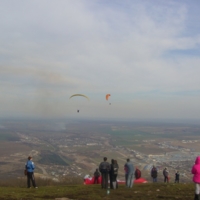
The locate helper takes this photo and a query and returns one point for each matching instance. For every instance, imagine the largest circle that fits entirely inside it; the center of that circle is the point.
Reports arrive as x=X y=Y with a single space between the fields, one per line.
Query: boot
x=114 y=185
x=196 y=197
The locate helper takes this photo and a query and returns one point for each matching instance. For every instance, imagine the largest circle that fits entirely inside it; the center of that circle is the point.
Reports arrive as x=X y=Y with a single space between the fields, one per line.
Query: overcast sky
x=144 y=53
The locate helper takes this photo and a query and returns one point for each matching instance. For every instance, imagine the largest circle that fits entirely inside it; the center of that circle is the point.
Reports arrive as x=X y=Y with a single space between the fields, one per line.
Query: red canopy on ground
x=90 y=180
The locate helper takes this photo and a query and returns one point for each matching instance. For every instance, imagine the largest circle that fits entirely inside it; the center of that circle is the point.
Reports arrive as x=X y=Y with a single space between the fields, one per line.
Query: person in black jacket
x=177 y=177
x=111 y=173
x=115 y=173
x=104 y=168
x=154 y=174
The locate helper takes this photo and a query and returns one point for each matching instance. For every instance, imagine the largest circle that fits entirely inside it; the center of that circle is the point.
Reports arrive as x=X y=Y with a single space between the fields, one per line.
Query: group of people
x=154 y=175
x=106 y=169
x=111 y=170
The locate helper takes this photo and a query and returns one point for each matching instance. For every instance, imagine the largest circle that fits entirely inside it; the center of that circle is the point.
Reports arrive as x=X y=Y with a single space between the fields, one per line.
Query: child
x=176 y=177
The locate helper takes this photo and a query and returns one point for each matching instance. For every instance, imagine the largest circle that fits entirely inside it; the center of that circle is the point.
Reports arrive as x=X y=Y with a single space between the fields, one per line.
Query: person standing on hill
x=177 y=175
x=166 y=175
x=104 y=168
x=114 y=172
x=154 y=174
x=196 y=178
x=126 y=174
x=29 y=166
x=96 y=176
x=130 y=173
x=111 y=173
x=137 y=173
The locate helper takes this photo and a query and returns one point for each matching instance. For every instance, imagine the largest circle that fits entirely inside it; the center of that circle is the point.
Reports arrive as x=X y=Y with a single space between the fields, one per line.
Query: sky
x=144 y=53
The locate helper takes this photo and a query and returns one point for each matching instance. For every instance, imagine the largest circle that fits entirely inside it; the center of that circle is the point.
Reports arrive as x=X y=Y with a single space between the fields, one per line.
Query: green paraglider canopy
x=81 y=95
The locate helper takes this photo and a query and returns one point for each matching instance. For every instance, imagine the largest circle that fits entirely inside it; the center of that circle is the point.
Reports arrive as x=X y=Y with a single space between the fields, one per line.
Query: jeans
x=30 y=178
x=104 y=181
x=126 y=179
x=154 y=180
x=130 y=180
x=176 y=181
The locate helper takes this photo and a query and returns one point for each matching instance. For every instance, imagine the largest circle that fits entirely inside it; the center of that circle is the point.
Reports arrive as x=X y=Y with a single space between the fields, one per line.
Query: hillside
x=147 y=191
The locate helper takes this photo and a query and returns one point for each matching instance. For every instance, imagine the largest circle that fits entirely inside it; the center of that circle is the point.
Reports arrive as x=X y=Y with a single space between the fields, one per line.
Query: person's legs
x=102 y=180
x=106 y=180
x=126 y=179
x=197 y=191
x=32 y=179
x=28 y=180
x=114 y=181
x=95 y=180
x=197 y=188
x=130 y=181
x=110 y=177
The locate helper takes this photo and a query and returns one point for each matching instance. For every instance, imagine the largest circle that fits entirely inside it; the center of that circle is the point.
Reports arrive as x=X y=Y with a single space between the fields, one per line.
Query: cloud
x=140 y=50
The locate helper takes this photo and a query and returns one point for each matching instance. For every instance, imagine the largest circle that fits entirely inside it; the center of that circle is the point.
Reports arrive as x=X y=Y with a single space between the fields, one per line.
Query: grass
x=94 y=192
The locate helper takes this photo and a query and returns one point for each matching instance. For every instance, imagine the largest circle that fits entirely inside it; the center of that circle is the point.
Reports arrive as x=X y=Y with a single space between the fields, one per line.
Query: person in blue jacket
x=29 y=166
x=130 y=173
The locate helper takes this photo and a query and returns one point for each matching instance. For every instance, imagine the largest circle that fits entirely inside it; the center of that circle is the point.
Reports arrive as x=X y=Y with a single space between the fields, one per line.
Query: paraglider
x=79 y=95
x=107 y=97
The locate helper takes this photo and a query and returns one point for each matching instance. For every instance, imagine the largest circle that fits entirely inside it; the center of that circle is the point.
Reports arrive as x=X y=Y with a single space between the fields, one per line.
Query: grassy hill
x=148 y=191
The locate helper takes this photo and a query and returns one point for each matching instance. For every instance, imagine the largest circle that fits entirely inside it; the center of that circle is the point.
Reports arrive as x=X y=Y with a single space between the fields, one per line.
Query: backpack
x=25 y=172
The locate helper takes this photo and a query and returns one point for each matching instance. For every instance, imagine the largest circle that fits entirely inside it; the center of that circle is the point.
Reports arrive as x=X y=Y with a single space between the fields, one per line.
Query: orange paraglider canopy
x=107 y=96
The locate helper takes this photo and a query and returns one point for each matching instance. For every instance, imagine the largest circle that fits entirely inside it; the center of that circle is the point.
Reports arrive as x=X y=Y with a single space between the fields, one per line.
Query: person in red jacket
x=137 y=173
x=96 y=176
x=196 y=178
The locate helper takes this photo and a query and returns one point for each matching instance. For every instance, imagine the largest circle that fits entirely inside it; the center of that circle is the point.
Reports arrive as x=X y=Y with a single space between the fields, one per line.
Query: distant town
x=77 y=149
